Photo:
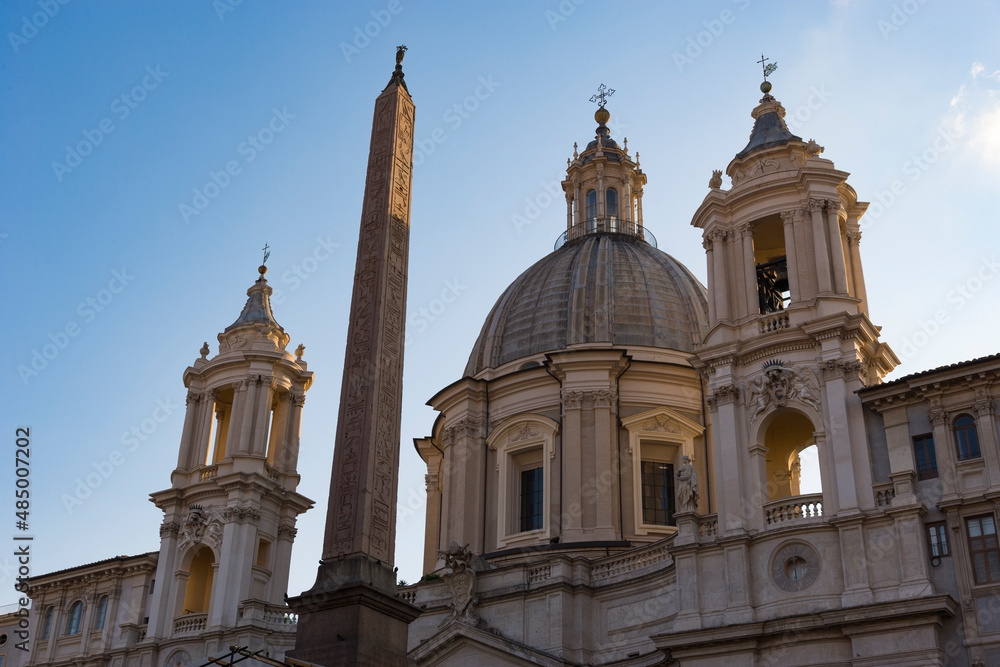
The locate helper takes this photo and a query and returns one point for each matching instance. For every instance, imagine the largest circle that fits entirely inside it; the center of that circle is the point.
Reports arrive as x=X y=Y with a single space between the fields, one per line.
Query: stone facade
x=630 y=503
x=221 y=573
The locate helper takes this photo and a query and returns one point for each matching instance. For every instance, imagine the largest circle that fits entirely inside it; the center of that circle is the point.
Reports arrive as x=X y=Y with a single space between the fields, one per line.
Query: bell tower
x=790 y=340
x=229 y=516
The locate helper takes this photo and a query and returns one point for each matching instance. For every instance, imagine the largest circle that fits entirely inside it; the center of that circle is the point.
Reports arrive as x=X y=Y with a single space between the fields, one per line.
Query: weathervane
x=267 y=253
x=768 y=70
x=603 y=93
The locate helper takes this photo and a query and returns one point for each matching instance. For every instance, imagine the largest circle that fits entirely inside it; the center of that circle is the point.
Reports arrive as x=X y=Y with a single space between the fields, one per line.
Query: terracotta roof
x=906 y=378
x=120 y=559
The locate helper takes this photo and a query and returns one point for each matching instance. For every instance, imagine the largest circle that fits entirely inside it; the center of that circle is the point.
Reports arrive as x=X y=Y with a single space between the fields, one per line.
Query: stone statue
x=687 y=486
x=716 y=180
x=805 y=388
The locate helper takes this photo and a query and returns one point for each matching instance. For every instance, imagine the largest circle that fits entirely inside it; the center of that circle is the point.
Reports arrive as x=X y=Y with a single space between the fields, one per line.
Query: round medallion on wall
x=794 y=567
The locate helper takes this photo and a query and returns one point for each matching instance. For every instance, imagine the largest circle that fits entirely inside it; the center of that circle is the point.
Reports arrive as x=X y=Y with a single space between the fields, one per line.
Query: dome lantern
x=603 y=185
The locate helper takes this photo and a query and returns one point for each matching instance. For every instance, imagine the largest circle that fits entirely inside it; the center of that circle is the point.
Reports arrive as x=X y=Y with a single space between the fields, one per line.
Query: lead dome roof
x=601 y=288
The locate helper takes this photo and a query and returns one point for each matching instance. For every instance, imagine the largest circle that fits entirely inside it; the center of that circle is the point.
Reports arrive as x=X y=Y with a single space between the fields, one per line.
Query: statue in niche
x=687 y=486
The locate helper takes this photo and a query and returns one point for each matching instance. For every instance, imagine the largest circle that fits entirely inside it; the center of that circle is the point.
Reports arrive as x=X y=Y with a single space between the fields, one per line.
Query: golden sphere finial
x=602 y=116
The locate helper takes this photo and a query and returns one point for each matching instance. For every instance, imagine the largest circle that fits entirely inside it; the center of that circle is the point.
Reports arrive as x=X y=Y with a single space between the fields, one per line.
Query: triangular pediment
x=663 y=420
x=458 y=645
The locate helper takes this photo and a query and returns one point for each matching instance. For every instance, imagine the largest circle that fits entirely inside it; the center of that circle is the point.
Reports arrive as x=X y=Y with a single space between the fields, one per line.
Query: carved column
x=203 y=428
x=729 y=460
x=986 y=427
x=161 y=609
x=578 y=203
x=706 y=243
x=233 y=437
x=943 y=449
x=820 y=242
x=605 y=458
x=838 y=437
x=721 y=280
x=265 y=397
x=572 y=519
x=836 y=246
x=749 y=269
x=639 y=205
x=249 y=405
x=857 y=272
x=282 y=562
x=791 y=258
x=290 y=449
x=184 y=454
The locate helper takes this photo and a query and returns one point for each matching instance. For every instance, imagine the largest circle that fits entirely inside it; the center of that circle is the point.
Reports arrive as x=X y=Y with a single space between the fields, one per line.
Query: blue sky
x=117 y=115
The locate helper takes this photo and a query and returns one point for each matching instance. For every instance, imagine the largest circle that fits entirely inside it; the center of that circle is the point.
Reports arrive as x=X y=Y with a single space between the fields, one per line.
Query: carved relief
x=723 y=395
x=241 y=515
x=604 y=398
x=523 y=432
x=171 y=529
x=461 y=582
x=661 y=424
x=372 y=388
x=777 y=385
x=287 y=531
x=572 y=400
x=202 y=525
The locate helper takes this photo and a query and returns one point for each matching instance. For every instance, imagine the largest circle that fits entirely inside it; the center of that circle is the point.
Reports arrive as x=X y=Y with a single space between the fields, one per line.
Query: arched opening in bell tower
x=792 y=463
x=770 y=258
x=198 y=592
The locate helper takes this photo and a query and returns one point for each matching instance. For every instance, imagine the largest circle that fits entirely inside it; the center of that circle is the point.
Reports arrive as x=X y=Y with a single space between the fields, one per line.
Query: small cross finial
x=768 y=69
x=603 y=93
x=267 y=253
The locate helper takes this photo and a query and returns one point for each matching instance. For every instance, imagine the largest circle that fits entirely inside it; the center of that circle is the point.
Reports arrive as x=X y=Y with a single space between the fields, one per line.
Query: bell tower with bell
x=789 y=340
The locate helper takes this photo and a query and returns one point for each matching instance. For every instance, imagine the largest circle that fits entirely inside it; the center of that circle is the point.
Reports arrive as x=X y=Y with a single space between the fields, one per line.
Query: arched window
x=47 y=622
x=74 y=618
x=102 y=611
x=611 y=206
x=591 y=206
x=966 y=440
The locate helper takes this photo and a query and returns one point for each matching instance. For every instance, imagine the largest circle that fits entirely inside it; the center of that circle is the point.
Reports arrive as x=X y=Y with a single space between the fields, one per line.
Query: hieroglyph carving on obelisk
x=361 y=517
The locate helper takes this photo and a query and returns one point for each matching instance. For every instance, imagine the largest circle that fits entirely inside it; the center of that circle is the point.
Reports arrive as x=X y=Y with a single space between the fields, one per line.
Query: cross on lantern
x=603 y=93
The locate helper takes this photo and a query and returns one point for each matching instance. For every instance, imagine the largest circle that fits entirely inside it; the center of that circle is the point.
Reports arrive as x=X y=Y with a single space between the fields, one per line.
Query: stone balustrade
x=796 y=509
x=189 y=623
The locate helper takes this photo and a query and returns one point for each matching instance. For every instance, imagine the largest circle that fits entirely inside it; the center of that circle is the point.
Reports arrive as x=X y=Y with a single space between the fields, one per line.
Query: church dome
x=600 y=288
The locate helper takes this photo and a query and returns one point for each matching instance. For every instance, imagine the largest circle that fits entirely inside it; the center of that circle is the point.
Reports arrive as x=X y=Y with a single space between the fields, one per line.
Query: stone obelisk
x=352 y=615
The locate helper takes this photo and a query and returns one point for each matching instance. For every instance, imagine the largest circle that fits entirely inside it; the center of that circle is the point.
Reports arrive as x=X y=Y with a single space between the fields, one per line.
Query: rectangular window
x=937 y=539
x=657 y=493
x=983 y=548
x=531 y=499
x=923 y=451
